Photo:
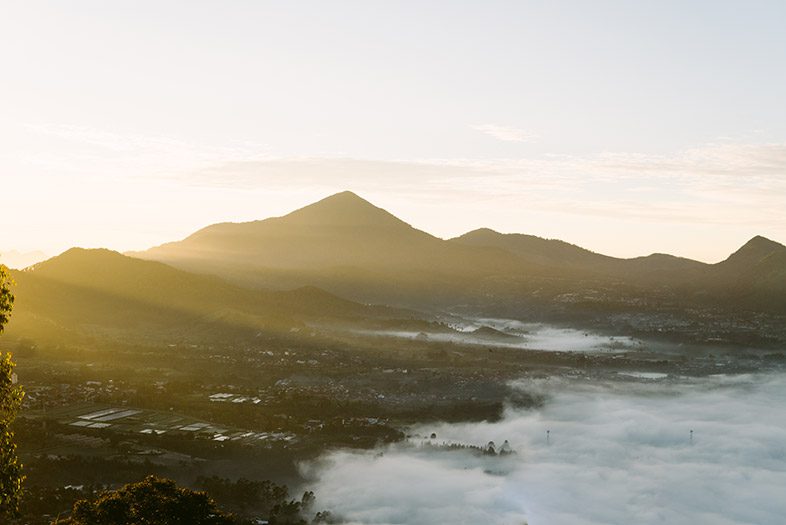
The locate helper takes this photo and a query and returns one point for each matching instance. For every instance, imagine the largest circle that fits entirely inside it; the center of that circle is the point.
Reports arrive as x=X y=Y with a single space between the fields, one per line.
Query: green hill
x=93 y=291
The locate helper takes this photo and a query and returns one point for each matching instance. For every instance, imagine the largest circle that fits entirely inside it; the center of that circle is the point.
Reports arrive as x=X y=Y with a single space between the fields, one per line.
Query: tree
x=10 y=399
x=152 y=501
x=6 y=297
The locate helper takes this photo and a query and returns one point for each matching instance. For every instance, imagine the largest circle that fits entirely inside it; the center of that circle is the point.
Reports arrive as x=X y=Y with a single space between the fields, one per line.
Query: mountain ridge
x=99 y=288
x=348 y=246
x=331 y=243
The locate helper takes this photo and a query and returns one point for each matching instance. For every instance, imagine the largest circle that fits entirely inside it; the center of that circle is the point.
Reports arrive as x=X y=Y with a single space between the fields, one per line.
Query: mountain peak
x=345 y=195
x=346 y=199
x=76 y=255
x=89 y=263
x=480 y=233
x=755 y=249
x=343 y=209
x=761 y=245
x=763 y=242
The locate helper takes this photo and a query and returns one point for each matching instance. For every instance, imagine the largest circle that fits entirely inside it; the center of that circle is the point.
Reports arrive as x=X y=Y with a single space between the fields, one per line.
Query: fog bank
x=617 y=453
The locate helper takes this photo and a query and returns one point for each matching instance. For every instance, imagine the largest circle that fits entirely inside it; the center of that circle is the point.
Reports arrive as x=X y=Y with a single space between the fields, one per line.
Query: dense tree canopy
x=10 y=399
x=6 y=297
x=153 y=501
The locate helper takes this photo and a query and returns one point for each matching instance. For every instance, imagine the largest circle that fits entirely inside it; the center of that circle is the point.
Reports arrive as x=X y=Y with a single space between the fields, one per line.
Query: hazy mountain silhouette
x=18 y=260
x=342 y=229
x=755 y=274
x=342 y=242
x=104 y=290
x=351 y=247
x=753 y=253
x=655 y=268
x=544 y=251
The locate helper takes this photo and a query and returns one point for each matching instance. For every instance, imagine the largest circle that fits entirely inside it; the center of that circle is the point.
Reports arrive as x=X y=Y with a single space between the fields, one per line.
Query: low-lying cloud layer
x=617 y=453
x=533 y=336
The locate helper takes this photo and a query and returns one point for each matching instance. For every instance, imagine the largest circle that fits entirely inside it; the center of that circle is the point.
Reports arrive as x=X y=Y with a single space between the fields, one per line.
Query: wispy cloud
x=105 y=139
x=505 y=133
x=105 y=153
x=723 y=183
x=738 y=186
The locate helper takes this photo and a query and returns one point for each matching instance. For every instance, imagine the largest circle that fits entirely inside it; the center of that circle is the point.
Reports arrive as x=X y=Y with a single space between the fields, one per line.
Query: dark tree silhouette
x=6 y=297
x=10 y=399
x=153 y=501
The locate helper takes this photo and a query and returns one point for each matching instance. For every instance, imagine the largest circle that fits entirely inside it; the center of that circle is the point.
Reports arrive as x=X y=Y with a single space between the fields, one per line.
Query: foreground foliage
x=10 y=399
x=152 y=501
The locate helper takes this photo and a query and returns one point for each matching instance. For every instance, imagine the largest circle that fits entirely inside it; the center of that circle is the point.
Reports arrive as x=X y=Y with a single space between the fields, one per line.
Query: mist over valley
x=393 y=263
x=403 y=378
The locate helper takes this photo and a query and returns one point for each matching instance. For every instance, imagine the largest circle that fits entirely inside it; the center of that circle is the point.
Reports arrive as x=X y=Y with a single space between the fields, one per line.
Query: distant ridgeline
x=350 y=247
x=221 y=279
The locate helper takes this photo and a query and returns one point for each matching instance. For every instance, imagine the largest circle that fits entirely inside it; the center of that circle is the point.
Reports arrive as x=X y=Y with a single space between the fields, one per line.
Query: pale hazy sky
x=625 y=127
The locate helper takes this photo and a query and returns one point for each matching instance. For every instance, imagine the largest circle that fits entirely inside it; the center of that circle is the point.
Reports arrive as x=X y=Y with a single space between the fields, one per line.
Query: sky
x=617 y=453
x=624 y=127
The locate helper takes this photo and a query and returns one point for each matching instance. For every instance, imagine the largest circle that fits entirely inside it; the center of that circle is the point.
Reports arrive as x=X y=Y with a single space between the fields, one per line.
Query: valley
x=393 y=263
x=196 y=370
